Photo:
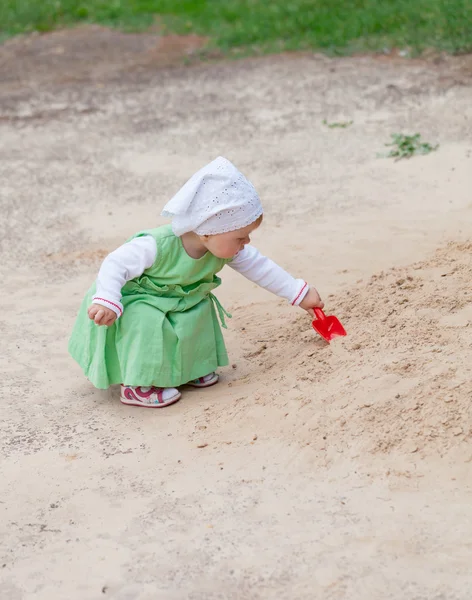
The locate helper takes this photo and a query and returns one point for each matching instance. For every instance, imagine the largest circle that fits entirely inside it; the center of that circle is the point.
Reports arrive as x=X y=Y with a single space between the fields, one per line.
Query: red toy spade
x=328 y=327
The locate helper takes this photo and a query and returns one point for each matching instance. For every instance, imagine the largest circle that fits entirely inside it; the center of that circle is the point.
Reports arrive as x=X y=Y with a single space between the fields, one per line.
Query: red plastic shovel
x=327 y=327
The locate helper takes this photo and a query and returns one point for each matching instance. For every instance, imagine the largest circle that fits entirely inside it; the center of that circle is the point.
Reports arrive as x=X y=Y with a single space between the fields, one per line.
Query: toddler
x=151 y=322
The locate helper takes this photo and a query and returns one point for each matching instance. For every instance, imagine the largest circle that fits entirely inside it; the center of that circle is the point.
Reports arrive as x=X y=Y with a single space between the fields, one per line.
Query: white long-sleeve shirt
x=134 y=257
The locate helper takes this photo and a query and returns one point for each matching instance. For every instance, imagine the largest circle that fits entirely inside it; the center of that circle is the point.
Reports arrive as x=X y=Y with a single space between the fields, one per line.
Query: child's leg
x=149 y=397
x=203 y=382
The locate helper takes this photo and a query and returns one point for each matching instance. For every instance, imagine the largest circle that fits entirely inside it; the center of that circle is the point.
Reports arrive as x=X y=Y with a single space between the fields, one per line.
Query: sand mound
x=400 y=379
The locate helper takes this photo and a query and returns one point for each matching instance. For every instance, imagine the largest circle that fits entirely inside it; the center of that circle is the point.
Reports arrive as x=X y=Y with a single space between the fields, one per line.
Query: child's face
x=227 y=245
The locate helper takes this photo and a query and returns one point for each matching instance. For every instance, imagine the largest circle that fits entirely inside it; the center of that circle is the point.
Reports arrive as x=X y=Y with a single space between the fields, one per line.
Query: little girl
x=153 y=295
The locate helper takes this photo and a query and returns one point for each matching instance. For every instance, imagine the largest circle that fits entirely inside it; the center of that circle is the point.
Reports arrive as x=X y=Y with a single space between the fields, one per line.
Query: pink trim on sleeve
x=109 y=302
x=299 y=294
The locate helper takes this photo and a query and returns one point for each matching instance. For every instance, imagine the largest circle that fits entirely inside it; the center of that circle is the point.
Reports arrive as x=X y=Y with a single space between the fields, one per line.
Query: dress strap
x=222 y=313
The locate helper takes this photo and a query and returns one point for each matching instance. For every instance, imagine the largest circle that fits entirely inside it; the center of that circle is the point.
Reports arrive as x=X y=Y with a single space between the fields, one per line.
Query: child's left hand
x=311 y=301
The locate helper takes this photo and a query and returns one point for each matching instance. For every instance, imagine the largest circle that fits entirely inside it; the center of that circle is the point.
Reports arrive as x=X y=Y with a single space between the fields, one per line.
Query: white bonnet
x=217 y=199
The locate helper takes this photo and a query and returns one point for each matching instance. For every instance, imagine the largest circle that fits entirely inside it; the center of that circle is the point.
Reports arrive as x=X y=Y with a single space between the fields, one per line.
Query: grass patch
x=333 y=26
x=406 y=146
x=337 y=125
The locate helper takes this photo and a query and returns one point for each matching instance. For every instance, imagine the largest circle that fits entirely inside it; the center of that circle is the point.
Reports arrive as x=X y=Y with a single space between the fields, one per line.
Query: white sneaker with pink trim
x=149 y=397
x=203 y=382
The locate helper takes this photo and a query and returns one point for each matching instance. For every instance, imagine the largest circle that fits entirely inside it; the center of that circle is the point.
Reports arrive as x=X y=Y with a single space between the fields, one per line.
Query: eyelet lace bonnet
x=217 y=199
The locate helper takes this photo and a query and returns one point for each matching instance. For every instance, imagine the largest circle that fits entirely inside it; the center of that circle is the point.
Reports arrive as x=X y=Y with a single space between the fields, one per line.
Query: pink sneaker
x=203 y=382
x=149 y=397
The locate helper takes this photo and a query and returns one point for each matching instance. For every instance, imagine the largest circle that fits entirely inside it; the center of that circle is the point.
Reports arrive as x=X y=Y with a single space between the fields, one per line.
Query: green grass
x=333 y=26
x=406 y=146
x=338 y=124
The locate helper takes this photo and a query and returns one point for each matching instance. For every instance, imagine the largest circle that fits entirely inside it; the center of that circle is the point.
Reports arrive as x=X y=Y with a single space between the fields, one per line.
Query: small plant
x=406 y=146
x=337 y=125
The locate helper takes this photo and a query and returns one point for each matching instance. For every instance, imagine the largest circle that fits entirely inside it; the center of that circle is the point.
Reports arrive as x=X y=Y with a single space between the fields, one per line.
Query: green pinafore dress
x=169 y=333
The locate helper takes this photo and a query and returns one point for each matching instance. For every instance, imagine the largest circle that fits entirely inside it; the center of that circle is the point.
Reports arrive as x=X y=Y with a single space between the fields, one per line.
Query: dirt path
x=334 y=473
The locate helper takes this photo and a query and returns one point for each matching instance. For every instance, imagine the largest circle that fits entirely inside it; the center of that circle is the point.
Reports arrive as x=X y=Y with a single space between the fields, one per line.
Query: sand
x=311 y=471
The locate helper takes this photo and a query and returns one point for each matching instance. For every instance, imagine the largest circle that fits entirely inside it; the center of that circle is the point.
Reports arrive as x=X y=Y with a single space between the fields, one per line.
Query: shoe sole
x=209 y=383
x=172 y=400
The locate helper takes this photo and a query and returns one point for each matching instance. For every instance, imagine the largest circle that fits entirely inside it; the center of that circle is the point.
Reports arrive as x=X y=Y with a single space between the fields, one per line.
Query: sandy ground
x=311 y=471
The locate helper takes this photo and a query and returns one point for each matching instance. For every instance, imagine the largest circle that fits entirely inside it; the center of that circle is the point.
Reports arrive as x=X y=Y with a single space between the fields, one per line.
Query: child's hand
x=101 y=315
x=311 y=301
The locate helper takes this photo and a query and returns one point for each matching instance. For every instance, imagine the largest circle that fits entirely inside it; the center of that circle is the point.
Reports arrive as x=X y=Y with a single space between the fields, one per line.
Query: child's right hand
x=101 y=315
x=311 y=301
